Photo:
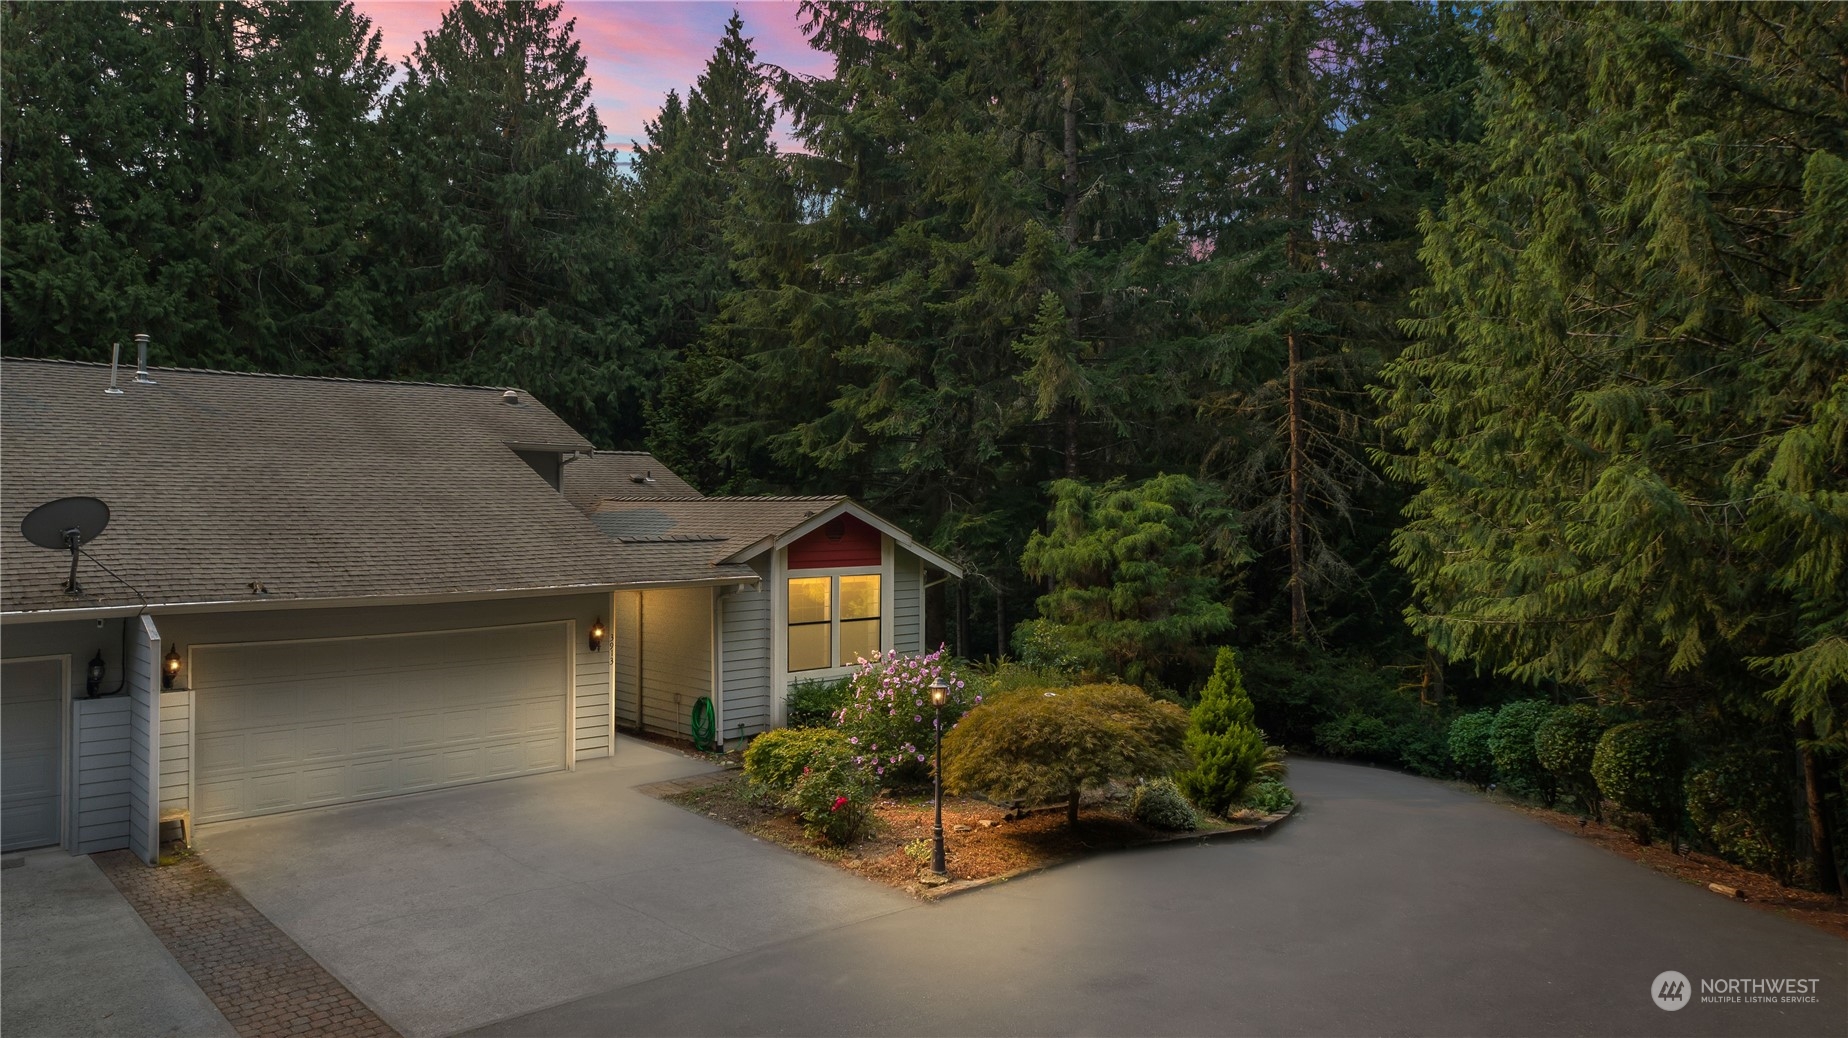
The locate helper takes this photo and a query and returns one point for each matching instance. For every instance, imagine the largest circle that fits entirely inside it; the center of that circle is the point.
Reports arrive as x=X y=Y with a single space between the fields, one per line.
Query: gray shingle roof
x=589 y=480
x=314 y=488
x=737 y=522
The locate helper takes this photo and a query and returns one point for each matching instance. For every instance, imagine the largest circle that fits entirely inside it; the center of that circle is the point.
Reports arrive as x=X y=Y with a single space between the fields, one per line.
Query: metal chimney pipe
x=142 y=378
x=115 y=358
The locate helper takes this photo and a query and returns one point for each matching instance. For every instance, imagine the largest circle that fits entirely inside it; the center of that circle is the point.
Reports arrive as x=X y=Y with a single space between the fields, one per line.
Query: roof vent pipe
x=142 y=378
x=115 y=357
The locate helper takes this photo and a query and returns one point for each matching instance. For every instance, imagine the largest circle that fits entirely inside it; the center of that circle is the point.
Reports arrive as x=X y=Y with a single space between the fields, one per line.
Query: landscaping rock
x=930 y=879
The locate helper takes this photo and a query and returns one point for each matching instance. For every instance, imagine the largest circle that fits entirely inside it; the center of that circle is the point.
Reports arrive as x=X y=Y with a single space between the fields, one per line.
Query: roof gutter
x=235 y=605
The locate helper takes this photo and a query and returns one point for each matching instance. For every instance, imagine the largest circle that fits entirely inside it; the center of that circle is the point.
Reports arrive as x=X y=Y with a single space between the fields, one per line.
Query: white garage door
x=31 y=702
x=288 y=725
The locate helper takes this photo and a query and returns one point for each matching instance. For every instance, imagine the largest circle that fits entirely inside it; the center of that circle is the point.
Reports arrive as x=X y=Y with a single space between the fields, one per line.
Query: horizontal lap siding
x=907 y=605
x=593 y=699
x=676 y=658
x=745 y=663
x=105 y=773
x=175 y=750
x=625 y=640
x=144 y=736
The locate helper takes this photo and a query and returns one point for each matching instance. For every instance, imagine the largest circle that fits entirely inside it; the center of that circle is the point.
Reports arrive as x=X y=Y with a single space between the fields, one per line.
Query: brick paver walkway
x=262 y=981
x=686 y=785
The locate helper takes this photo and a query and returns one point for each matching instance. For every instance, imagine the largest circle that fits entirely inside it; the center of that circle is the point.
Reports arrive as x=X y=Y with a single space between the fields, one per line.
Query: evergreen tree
x=1307 y=119
x=965 y=294
x=698 y=174
x=1224 y=742
x=1138 y=572
x=202 y=172
x=1622 y=411
x=506 y=236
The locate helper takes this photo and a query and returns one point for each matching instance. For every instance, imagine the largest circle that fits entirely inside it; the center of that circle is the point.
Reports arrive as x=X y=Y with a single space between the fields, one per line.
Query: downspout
x=641 y=660
x=717 y=656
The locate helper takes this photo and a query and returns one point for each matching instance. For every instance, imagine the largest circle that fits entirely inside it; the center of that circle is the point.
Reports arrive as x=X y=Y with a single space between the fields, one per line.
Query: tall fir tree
x=705 y=166
x=1306 y=120
x=1623 y=411
x=506 y=231
x=201 y=172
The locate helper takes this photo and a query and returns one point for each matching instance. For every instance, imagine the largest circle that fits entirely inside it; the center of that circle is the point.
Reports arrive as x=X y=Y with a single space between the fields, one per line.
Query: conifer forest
x=1439 y=358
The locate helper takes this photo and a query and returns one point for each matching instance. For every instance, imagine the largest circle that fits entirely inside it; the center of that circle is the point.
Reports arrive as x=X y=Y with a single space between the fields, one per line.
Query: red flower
x=839 y=802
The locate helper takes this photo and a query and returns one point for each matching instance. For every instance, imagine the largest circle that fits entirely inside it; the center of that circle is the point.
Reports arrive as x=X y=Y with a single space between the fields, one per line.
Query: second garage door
x=287 y=725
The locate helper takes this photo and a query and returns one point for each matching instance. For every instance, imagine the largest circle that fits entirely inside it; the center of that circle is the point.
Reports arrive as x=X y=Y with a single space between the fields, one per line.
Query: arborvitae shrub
x=1228 y=751
x=1469 y=747
x=1638 y=767
x=1564 y=744
x=1511 y=743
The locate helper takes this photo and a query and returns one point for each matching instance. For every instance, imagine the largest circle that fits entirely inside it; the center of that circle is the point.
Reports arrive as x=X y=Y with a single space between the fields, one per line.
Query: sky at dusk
x=636 y=52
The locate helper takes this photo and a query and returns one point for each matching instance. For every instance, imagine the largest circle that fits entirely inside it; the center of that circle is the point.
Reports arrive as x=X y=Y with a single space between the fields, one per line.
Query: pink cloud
x=635 y=52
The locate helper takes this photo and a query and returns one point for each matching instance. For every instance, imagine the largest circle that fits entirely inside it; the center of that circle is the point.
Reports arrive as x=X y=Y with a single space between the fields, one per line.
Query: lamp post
x=939 y=691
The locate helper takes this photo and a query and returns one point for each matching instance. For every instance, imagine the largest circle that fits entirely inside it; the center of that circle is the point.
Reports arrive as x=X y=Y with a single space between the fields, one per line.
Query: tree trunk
x=1071 y=809
x=1000 y=623
x=1068 y=179
x=1822 y=848
x=1071 y=440
x=1299 y=605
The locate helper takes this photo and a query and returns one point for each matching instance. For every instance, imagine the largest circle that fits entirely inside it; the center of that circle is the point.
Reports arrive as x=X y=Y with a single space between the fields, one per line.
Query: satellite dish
x=67 y=524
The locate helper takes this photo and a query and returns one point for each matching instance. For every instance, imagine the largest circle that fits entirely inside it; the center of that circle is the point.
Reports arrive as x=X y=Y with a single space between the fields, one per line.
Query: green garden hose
x=705 y=726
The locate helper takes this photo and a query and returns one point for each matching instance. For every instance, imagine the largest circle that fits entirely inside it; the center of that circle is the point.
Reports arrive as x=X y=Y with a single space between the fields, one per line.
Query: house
x=312 y=591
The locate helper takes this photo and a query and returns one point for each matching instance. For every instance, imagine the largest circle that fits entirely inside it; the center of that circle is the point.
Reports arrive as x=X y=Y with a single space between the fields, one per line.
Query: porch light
x=169 y=666
x=596 y=634
x=93 y=678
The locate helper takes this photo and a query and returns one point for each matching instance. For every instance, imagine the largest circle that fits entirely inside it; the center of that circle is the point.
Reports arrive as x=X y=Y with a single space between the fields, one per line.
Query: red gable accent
x=840 y=542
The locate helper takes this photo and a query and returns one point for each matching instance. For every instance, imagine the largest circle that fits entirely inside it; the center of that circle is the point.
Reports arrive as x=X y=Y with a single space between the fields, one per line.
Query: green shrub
x=834 y=796
x=814 y=703
x=1358 y=736
x=888 y=718
x=774 y=760
x=1009 y=677
x=1511 y=743
x=1737 y=804
x=1041 y=645
x=1227 y=748
x=1469 y=747
x=1564 y=745
x=1638 y=767
x=1159 y=804
x=1269 y=796
x=1054 y=745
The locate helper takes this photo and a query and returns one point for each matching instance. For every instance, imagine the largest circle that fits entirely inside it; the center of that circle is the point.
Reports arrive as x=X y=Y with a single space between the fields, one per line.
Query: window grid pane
x=809 y=599
x=808 y=646
x=860 y=597
x=859 y=640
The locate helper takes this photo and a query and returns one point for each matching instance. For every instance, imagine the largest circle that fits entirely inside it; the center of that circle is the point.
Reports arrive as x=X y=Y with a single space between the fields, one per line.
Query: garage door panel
x=294 y=728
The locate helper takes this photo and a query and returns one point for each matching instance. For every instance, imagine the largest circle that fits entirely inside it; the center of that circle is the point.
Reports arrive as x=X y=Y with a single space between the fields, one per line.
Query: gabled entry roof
x=747 y=526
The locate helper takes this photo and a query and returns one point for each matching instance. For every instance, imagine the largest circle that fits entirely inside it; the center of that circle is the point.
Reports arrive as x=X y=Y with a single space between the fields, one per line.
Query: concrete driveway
x=77 y=959
x=1390 y=905
x=452 y=909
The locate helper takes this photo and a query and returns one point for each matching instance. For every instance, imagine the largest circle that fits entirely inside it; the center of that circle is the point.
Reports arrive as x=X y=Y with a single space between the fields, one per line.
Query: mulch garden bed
x=1760 y=891
x=981 y=841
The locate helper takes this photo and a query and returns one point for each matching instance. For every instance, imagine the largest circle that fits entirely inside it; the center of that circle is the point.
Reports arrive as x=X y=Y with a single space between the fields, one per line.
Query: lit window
x=833 y=621
x=809 y=622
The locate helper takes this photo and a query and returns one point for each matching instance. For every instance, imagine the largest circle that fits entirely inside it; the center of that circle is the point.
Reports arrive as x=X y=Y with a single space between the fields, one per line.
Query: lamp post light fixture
x=939 y=693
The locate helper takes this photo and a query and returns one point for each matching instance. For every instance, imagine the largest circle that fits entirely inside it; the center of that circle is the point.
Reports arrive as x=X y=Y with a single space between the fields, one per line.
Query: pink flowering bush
x=888 y=718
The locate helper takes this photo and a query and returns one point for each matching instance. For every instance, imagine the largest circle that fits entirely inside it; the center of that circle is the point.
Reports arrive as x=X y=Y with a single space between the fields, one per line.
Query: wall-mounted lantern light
x=596 y=634
x=169 y=667
x=93 y=678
